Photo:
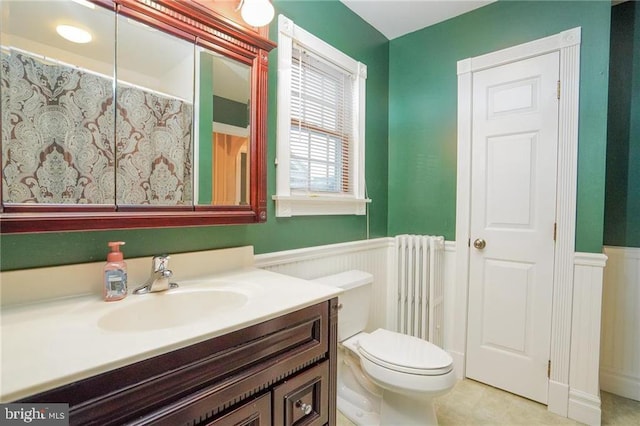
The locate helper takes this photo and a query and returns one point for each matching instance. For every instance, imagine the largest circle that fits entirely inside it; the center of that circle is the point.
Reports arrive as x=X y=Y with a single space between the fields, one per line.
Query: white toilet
x=384 y=378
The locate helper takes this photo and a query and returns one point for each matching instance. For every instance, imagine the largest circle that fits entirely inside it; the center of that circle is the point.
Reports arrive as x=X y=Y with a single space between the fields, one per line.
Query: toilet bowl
x=384 y=377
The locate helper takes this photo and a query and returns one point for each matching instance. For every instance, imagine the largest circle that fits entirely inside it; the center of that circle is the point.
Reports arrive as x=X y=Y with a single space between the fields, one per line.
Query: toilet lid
x=403 y=353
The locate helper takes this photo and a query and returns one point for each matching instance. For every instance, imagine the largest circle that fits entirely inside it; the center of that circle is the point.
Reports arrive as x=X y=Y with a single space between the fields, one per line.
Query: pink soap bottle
x=115 y=274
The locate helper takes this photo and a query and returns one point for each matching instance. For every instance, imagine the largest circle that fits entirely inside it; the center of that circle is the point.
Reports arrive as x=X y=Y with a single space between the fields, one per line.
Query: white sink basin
x=174 y=308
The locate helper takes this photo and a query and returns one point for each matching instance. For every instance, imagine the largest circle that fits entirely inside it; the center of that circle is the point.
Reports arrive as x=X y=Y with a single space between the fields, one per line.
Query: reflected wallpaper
x=58 y=138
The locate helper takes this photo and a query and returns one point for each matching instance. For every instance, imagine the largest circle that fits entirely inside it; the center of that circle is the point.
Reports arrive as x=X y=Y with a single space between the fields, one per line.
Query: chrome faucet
x=159 y=279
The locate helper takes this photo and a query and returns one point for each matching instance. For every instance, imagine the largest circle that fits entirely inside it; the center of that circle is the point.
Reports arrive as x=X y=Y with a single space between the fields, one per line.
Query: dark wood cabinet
x=302 y=399
x=252 y=413
x=279 y=372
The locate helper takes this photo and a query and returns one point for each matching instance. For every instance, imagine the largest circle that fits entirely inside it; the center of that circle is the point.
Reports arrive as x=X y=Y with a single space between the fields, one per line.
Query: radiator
x=420 y=286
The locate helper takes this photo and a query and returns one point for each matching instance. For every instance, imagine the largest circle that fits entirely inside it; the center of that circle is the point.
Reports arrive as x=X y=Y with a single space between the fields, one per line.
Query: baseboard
x=558 y=400
x=584 y=408
x=619 y=384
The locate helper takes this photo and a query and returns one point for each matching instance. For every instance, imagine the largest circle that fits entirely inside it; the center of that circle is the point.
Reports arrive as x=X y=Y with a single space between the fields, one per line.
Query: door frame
x=568 y=44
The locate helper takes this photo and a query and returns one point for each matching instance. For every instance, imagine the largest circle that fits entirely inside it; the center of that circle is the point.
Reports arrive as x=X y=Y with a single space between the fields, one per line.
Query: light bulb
x=257 y=12
x=85 y=3
x=74 y=34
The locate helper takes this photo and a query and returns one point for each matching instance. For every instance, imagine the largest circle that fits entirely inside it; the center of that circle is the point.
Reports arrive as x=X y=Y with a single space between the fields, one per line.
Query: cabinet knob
x=306 y=408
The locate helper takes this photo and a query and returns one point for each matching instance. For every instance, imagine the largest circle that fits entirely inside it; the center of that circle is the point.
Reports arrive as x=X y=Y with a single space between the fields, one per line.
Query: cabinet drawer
x=253 y=413
x=303 y=400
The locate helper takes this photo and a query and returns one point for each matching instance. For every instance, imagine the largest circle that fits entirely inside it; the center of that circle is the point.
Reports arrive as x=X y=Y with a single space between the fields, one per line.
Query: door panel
x=513 y=197
x=506 y=321
x=510 y=179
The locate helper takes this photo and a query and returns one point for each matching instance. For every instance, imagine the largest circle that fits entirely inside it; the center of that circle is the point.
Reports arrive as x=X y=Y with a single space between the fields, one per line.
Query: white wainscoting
x=579 y=398
x=373 y=256
x=376 y=256
x=620 y=348
x=584 y=361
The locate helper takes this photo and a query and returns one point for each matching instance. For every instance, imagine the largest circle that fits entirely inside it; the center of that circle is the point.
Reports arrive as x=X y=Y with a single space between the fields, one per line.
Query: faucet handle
x=160 y=262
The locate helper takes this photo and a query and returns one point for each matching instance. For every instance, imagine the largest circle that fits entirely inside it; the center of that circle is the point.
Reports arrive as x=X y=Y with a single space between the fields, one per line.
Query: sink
x=155 y=311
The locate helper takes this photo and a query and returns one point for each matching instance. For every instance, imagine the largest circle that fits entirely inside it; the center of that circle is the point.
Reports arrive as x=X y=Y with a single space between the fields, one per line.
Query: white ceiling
x=395 y=18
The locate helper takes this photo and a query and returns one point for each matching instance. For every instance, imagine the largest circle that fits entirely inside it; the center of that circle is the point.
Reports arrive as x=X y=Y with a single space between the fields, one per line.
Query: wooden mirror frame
x=197 y=23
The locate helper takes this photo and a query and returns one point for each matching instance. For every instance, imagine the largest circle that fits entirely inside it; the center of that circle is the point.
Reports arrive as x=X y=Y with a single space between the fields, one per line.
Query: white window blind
x=321 y=130
x=320 y=154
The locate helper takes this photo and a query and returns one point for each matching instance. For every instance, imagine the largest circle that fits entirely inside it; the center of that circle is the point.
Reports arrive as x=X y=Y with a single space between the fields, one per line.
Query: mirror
x=224 y=131
x=154 y=116
x=57 y=103
x=158 y=120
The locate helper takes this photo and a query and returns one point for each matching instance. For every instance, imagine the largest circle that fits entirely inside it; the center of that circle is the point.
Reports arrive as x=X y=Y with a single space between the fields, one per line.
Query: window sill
x=317 y=205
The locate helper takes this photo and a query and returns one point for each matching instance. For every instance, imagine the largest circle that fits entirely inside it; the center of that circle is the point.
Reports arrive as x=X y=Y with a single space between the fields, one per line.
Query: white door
x=513 y=199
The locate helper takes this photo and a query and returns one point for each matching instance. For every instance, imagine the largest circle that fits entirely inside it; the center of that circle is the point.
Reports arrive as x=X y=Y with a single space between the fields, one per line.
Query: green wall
x=230 y=112
x=205 y=127
x=410 y=132
x=622 y=200
x=336 y=24
x=423 y=108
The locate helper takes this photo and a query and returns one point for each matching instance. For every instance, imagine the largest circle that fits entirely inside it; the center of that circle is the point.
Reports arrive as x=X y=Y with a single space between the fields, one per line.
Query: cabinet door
x=303 y=399
x=253 y=413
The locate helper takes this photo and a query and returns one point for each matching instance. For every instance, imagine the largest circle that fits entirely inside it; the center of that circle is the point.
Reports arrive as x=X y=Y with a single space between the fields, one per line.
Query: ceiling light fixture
x=256 y=13
x=74 y=34
x=85 y=3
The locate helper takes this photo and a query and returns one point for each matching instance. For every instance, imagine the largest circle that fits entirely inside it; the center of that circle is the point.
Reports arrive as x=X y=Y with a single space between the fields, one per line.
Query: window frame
x=293 y=203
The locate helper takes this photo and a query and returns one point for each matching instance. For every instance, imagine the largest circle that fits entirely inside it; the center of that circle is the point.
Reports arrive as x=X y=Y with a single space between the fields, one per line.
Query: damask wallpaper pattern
x=154 y=148
x=57 y=134
x=58 y=143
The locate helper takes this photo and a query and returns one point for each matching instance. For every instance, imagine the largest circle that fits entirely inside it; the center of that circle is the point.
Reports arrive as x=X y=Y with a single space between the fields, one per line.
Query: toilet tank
x=355 y=301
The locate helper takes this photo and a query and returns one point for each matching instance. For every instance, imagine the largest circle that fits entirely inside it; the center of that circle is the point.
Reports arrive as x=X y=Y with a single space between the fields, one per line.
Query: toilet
x=384 y=377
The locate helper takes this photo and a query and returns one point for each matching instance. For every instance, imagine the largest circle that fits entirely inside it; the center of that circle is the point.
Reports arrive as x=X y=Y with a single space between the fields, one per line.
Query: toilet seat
x=405 y=354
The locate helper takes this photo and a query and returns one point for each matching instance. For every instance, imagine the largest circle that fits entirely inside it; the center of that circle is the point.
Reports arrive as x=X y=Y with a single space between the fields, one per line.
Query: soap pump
x=115 y=274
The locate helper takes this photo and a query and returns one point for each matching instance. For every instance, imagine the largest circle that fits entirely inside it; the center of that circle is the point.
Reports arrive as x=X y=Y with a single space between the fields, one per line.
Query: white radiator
x=420 y=287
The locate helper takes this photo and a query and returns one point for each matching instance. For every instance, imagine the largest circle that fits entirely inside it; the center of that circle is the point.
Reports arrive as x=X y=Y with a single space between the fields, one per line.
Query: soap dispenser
x=115 y=274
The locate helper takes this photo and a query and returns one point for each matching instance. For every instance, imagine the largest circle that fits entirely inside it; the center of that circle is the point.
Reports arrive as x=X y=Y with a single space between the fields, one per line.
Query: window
x=320 y=141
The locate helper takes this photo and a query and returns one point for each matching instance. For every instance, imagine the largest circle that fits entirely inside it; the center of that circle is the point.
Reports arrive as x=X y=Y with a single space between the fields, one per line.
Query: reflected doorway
x=230 y=165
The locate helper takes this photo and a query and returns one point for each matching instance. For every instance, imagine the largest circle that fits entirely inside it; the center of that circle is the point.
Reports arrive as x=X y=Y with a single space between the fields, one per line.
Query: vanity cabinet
x=278 y=372
x=252 y=413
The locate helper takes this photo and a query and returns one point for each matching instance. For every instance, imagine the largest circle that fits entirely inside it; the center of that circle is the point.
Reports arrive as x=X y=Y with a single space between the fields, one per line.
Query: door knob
x=479 y=243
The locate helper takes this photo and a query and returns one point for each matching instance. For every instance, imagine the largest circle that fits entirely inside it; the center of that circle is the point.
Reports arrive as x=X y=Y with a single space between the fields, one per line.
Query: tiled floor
x=473 y=403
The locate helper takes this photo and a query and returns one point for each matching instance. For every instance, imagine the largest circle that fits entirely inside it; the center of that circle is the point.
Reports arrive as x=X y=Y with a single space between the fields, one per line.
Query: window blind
x=321 y=124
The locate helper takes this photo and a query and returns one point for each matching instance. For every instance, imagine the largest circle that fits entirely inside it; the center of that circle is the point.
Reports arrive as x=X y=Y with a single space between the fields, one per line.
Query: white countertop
x=49 y=344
